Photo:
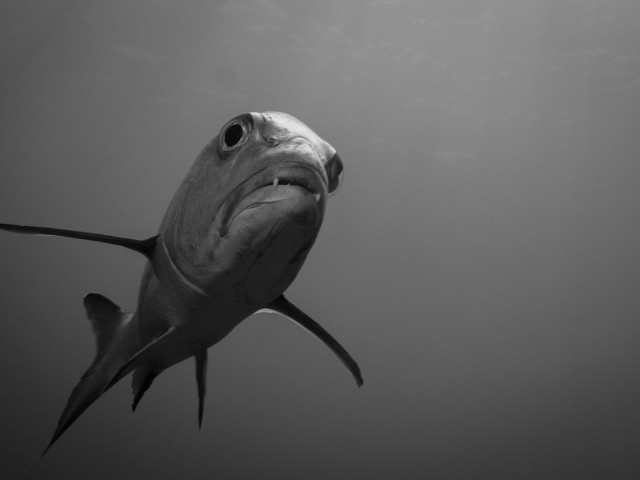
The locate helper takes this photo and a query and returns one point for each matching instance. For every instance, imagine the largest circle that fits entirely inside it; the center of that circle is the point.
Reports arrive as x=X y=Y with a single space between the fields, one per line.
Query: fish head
x=251 y=206
x=273 y=149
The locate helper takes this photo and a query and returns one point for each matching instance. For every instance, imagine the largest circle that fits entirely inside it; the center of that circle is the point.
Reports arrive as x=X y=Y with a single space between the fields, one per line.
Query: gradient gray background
x=481 y=261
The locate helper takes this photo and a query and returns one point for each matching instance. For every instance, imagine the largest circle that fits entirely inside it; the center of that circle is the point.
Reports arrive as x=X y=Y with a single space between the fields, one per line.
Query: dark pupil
x=233 y=135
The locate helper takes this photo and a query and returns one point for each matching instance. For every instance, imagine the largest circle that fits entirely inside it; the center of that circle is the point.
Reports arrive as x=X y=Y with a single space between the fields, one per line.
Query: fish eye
x=234 y=134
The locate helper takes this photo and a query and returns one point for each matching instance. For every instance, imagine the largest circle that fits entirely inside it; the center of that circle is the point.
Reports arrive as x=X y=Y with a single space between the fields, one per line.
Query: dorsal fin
x=144 y=247
x=105 y=317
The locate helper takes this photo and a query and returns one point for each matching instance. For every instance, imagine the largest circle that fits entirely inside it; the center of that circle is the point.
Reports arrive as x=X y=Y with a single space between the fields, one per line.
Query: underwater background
x=481 y=261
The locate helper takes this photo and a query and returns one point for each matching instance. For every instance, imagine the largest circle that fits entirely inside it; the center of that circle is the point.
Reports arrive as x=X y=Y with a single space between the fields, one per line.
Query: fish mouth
x=282 y=181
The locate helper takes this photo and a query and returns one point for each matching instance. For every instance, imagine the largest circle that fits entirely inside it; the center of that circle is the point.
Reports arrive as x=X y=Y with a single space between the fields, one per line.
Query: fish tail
x=108 y=321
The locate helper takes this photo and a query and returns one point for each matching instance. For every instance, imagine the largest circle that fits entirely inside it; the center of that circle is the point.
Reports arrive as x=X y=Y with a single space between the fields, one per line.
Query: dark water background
x=481 y=261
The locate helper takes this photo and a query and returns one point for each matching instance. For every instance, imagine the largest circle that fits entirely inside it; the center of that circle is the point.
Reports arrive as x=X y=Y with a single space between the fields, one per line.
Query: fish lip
x=296 y=173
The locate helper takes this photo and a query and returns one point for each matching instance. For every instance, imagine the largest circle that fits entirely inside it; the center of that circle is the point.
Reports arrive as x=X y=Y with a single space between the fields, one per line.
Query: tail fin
x=106 y=318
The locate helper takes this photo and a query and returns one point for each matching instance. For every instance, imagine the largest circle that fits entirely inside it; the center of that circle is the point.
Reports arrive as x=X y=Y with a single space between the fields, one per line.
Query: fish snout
x=334 y=169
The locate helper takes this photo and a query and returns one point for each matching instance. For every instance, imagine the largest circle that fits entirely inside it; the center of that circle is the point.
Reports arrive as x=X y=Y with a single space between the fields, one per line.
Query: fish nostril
x=335 y=171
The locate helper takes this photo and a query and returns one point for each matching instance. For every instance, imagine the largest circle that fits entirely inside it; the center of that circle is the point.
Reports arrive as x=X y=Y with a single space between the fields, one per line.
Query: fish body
x=234 y=237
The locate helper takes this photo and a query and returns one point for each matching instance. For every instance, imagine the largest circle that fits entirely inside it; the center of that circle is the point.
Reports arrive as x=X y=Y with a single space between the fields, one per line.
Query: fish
x=233 y=238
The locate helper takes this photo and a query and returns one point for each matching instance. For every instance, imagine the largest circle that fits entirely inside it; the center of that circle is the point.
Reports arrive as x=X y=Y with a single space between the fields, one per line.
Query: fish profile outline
x=234 y=237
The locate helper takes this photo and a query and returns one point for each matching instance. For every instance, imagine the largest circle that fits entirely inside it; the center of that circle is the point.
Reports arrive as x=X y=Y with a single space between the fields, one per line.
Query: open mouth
x=270 y=185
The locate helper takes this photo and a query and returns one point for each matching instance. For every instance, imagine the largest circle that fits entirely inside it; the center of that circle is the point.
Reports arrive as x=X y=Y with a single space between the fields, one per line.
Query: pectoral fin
x=144 y=247
x=284 y=307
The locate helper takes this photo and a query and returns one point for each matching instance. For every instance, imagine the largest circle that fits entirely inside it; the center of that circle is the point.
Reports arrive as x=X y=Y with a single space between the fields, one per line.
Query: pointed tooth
x=275 y=183
x=318 y=196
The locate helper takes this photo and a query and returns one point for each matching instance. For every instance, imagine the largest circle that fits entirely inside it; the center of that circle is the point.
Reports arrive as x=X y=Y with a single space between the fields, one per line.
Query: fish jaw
x=291 y=180
x=266 y=241
x=275 y=236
